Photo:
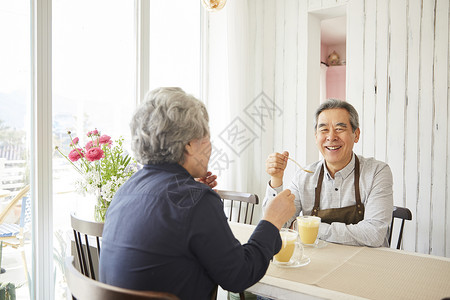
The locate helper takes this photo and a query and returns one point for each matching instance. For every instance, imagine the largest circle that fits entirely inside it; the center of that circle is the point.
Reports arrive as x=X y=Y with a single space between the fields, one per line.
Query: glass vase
x=100 y=209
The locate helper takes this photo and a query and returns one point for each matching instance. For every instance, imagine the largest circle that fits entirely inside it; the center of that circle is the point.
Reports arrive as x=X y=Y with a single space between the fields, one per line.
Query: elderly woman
x=166 y=231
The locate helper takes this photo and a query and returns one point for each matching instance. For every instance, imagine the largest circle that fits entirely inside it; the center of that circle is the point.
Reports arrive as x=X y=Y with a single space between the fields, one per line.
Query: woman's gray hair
x=166 y=121
x=334 y=104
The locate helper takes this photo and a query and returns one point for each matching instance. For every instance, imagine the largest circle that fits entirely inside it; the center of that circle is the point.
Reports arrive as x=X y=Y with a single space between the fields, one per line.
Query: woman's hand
x=208 y=179
x=280 y=209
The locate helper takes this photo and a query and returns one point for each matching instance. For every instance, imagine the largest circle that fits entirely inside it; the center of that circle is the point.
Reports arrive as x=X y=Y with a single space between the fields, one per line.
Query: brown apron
x=348 y=215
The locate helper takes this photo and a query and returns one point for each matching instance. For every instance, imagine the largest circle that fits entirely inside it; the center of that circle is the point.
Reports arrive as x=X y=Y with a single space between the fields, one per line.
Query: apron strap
x=319 y=189
x=357 y=193
x=317 y=193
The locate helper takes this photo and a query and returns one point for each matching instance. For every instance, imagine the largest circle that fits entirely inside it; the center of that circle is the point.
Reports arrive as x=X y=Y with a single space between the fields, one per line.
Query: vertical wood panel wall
x=404 y=110
x=397 y=77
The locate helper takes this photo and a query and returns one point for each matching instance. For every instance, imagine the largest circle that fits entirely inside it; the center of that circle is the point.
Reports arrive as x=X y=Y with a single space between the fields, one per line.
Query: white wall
x=403 y=54
x=397 y=78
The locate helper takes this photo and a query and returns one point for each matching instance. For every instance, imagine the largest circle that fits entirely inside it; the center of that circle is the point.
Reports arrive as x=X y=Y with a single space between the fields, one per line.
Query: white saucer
x=302 y=262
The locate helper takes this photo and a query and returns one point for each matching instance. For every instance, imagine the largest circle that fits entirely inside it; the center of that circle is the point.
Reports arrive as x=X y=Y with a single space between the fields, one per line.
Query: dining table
x=338 y=271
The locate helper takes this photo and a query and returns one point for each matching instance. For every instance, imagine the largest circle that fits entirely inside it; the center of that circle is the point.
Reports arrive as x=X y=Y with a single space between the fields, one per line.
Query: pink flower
x=94 y=154
x=105 y=139
x=74 y=141
x=91 y=144
x=76 y=154
x=88 y=145
x=93 y=132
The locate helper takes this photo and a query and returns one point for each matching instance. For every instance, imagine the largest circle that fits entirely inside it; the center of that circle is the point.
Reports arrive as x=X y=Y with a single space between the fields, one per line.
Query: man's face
x=335 y=139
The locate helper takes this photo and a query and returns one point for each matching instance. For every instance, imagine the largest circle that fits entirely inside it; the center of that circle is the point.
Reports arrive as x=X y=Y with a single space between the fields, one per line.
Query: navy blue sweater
x=166 y=232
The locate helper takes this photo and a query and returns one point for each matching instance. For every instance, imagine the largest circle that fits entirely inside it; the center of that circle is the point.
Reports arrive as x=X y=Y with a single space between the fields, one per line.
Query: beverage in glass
x=288 y=238
x=308 y=228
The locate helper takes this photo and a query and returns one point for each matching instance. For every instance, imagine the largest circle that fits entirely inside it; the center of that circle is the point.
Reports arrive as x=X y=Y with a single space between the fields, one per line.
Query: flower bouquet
x=104 y=168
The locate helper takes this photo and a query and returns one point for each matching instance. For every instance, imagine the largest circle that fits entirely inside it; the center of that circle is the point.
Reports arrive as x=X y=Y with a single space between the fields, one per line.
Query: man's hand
x=209 y=180
x=275 y=166
x=280 y=209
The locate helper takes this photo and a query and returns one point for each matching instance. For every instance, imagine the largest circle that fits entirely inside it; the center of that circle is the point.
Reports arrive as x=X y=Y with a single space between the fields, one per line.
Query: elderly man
x=166 y=231
x=352 y=194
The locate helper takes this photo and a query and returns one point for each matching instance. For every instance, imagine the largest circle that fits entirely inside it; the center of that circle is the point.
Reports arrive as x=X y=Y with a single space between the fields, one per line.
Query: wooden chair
x=91 y=231
x=245 y=203
x=85 y=288
x=12 y=234
x=400 y=213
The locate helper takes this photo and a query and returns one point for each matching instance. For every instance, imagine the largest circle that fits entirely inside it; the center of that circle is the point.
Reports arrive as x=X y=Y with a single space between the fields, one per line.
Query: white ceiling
x=334 y=31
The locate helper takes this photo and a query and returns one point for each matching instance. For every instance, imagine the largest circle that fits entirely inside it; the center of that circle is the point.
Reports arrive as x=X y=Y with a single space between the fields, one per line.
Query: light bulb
x=214 y=5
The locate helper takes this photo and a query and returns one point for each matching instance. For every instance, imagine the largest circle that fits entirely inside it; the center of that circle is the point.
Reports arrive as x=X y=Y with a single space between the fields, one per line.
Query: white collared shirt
x=376 y=196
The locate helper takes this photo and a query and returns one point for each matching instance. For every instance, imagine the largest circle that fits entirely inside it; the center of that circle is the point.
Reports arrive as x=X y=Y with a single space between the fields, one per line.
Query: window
x=93 y=88
x=175 y=45
x=14 y=137
x=94 y=83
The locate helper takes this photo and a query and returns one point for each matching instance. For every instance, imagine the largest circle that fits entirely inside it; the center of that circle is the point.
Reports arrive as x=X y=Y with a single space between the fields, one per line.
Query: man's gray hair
x=334 y=104
x=166 y=121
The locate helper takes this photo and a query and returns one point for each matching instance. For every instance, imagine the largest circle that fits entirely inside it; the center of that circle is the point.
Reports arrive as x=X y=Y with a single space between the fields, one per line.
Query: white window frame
x=142 y=11
x=41 y=149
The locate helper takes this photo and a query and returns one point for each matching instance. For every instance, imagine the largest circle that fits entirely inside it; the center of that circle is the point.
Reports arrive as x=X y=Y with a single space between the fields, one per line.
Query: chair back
x=13 y=230
x=25 y=213
x=85 y=231
x=240 y=203
x=403 y=214
x=85 y=288
x=22 y=193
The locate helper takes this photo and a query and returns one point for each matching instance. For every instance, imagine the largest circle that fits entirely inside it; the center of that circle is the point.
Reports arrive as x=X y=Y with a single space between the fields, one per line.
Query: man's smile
x=332 y=148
